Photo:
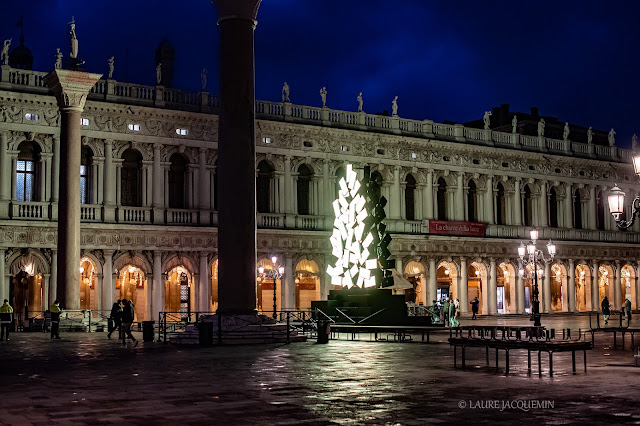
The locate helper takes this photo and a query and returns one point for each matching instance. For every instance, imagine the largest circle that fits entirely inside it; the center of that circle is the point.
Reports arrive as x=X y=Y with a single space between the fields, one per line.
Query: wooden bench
x=615 y=331
x=528 y=345
x=400 y=333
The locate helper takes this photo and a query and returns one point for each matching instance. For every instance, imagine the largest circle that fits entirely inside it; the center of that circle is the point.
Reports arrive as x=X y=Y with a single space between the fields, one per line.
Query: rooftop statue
x=285 y=92
x=514 y=124
x=58 y=64
x=612 y=137
x=359 y=102
x=541 y=125
x=487 y=120
x=4 y=56
x=110 y=63
x=589 y=136
x=158 y=73
x=323 y=95
x=565 y=132
x=394 y=107
x=203 y=79
x=73 y=39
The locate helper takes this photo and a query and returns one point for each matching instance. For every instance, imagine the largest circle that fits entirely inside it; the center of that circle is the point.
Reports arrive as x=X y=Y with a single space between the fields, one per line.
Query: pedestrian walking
x=116 y=319
x=605 y=309
x=445 y=310
x=55 y=319
x=452 y=314
x=627 y=307
x=127 y=320
x=6 y=317
x=474 y=307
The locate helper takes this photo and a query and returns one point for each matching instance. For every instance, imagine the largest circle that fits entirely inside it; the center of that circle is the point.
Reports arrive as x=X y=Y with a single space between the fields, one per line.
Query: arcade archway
x=307 y=281
x=89 y=293
x=178 y=292
x=414 y=273
x=131 y=284
x=583 y=288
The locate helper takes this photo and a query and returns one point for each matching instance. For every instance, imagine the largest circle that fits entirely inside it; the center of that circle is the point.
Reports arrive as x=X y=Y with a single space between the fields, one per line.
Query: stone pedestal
x=237 y=158
x=70 y=89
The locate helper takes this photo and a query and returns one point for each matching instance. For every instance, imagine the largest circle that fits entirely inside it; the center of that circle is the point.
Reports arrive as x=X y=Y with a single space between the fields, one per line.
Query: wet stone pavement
x=86 y=378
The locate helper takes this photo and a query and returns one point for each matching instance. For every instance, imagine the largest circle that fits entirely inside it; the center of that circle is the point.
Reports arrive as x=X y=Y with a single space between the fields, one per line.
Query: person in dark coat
x=474 y=307
x=128 y=315
x=55 y=319
x=116 y=317
x=605 y=310
x=6 y=317
x=627 y=307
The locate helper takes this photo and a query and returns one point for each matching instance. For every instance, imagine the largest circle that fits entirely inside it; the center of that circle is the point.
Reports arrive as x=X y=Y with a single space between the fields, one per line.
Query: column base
x=109 y=214
x=4 y=209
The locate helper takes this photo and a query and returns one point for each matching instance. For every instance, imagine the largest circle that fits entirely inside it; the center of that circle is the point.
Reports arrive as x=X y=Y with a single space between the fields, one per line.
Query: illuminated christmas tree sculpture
x=359 y=239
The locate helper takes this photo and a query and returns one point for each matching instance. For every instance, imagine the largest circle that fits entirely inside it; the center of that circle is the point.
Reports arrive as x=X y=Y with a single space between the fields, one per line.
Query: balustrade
x=30 y=210
x=134 y=214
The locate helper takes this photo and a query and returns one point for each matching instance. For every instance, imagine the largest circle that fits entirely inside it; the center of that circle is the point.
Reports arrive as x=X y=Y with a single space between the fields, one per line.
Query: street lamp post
x=616 y=201
x=531 y=255
x=275 y=273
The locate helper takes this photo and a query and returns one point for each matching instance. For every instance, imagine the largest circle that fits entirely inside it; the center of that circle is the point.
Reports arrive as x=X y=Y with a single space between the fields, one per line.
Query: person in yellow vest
x=6 y=313
x=55 y=319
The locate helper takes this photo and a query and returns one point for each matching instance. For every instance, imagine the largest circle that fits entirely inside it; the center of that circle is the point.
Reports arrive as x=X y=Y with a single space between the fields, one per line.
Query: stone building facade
x=148 y=188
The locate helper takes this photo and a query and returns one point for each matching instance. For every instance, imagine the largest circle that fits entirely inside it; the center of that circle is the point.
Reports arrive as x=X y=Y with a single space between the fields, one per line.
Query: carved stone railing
x=270 y=220
x=30 y=210
x=91 y=213
x=181 y=217
x=159 y=96
x=134 y=214
x=314 y=223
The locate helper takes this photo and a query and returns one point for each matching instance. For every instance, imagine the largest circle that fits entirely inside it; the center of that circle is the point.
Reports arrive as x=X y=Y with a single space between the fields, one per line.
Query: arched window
x=177 y=180
x=441 y=197
x=553 y=208
x=409 y=197
x=501 y=212
x=263 y=187
x=472 y=202
x=377 y=189
x=85 y=175
x=600 y=212
x=303 y=187
x=577 y=210
x=527 y=207
x=340 y=173
x=27 y=172
x=131 y=178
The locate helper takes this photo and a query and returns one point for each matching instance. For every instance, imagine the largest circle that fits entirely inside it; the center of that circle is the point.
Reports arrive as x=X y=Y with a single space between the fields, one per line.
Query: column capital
x=71 y=87
x=237 y=9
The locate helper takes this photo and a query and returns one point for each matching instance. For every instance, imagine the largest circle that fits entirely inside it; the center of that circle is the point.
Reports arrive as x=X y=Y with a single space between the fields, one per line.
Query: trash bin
x=206 y=333
x=323 y=331
x=147 y=331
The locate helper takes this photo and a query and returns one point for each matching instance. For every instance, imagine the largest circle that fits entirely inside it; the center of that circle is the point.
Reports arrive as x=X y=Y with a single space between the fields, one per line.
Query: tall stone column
x=568 y=207
x=517 y=204
x=237 y=158
x=204 y=289
x=288 y=283
x=489 y=200
x=109 y=183
x=464 y=286
x=493 y=287
x=544 y=210
x=636 y=300
x=5 y=177
x=157 y=289
x=288 y=182
x=395 y=195
x=428 y=199
x=595 y=293
x=572 y=286
x=326 y=189
x=108 y=289
x=546 y=288
x=157 y=187
x=459 y=209
x=519 y=294
x=205 y=191
x=592 y=207
x=4 y=288
x=70 y=89
x=53 y=282
x=432 y=289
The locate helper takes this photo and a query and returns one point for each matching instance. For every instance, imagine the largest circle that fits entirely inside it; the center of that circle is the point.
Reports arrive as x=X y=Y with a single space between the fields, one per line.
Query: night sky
x=445 y=60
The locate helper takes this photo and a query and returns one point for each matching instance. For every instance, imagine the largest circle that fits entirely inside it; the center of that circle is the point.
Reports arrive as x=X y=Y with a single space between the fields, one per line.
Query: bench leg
x=550 y=363
x=529 y=360
x=573 y=361
x=427 y=336
x=463 y=357
x=539 y=363
x=585 y=361
x=622 y=340
x=507 y=361
x=615 y=344
x=455 y=356
x=496 y=359
x=487 y=355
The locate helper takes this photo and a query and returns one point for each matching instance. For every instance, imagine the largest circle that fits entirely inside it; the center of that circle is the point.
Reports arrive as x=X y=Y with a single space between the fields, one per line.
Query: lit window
x=266 y=140
x=83 y=184
x=414 y=155
x=31 y=117
x=182 y=132
x=84 y=121
x=25 y=180
x=134 y=127
x=344 y=148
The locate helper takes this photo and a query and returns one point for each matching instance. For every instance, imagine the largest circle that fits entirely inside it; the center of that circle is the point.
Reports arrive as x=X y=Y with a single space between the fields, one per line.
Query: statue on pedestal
x=589 y=136
x=110 y=63
x=285 y=92
x=394 y=107
x=323 y=95
x=514 y=124
x=541 y=125
x=4 y=56
x=487 y=119
x=74 y=41
x=612 y=137
x=565 y=132
x=203 y=79
x=58 y=64
x=634 y=141
x=158 y=73
x=359 y=102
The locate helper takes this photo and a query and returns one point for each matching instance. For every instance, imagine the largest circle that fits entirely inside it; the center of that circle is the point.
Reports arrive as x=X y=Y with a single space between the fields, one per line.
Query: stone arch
x=268 y=288
x=21 y=258
x=559 y=288
x=507 y=277
x=307 y=282
x=446 y=279
x=180 y=259
x=90 y=294
x=414 y=271
x=478 y=282
x=97 y=262
x=27 y=269
x=133 y=259
x=43 y=146
x=583 y=287
x=606 y=282
x=628 y=284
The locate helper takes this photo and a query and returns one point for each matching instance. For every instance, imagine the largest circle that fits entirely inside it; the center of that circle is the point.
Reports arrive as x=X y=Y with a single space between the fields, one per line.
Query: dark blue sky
x=445 y=60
